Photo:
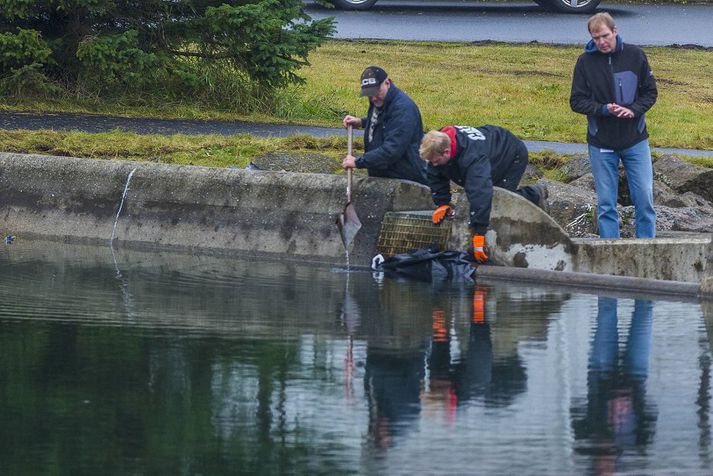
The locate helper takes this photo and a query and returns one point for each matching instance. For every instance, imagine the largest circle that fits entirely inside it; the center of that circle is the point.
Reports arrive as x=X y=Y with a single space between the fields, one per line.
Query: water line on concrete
x=121 y=204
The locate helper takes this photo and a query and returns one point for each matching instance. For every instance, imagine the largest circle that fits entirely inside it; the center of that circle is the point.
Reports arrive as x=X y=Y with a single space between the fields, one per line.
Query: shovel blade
x=348 y=224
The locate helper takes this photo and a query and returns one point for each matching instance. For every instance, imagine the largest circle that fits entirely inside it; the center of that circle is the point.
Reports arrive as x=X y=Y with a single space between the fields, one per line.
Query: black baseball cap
x=371 y=79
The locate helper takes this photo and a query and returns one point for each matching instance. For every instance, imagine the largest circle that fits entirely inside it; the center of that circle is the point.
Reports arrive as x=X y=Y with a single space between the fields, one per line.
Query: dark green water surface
x=138 y=363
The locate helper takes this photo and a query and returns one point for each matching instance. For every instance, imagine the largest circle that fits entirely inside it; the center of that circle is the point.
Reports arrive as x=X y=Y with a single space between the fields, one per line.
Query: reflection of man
x=616 y=416
x=477 y=374
x=392 y=382
x=397 y=325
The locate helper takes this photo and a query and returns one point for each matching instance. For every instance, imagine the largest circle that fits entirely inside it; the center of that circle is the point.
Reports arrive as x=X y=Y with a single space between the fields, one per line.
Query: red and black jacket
x=477 y=155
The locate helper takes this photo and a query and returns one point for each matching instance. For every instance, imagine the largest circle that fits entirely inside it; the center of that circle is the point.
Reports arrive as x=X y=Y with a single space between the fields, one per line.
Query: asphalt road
x=519 y=22
x=91 y=123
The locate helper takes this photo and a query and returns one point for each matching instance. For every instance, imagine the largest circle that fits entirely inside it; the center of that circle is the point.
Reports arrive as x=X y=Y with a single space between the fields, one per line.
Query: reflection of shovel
x=348 y=221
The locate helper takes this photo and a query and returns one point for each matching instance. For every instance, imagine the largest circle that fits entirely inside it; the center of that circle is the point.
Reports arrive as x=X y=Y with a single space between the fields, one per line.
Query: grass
x=204 y=150
x=524 y=88
x=211 y=150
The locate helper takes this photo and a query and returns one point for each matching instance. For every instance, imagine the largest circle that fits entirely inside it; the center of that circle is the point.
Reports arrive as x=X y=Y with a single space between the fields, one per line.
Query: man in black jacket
x=392 y=130
x=614 y=86
x=476 y=158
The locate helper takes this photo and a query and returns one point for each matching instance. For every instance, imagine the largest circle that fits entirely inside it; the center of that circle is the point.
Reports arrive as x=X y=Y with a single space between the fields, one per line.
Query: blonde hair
x=598 y=19
x=433 y=143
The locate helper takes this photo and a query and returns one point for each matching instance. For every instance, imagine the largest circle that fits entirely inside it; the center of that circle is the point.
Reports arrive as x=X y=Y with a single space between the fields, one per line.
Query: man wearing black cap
x=392 y=131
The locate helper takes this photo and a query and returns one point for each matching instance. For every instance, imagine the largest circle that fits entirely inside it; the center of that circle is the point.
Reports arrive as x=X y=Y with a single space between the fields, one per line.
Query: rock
x=623 y=196
x=290 y=162
x=683 y=177
x=689 y=219
x=575 y=168
x=532 y=174
x=573 y=208
x=666 y=196
x=682 y=196
x=585 y=182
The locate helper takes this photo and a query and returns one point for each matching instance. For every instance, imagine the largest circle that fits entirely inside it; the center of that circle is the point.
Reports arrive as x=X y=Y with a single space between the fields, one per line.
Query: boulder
x=683 y=176
x=666 y=196
x=532 y=174
x=575 y=168
x=573 y=208
x=585 y=182
x=688 y=219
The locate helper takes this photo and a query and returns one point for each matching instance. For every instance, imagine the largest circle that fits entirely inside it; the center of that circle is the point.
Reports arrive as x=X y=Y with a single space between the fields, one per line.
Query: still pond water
x=159 y=363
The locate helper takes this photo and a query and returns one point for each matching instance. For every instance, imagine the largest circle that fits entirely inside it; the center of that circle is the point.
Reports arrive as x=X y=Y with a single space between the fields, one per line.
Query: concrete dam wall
x=293 y=216
x=189 y=207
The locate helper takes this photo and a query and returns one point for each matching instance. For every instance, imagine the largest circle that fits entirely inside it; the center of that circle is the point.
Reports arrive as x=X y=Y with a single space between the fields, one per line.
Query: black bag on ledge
x=429 y=265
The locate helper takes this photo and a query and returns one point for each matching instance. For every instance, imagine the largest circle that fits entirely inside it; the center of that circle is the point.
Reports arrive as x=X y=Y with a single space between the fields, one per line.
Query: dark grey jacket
x=393 y=150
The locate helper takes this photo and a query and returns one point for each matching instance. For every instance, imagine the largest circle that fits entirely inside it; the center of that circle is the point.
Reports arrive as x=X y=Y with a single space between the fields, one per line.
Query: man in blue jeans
x=614 y=87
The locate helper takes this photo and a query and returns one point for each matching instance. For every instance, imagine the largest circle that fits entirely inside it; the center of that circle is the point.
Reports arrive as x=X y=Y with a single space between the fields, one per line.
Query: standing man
x=392 y=130
x=614 y=86
x=476 y=159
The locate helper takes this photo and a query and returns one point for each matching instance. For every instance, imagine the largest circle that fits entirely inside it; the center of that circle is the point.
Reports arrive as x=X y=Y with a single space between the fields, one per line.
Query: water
x=159 y=363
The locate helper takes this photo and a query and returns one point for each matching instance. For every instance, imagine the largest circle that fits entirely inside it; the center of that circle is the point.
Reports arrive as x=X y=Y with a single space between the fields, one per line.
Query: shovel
x=348 y=221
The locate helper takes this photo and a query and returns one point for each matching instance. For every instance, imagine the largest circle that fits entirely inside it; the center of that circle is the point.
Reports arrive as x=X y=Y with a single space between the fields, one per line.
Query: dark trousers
x=511 y=178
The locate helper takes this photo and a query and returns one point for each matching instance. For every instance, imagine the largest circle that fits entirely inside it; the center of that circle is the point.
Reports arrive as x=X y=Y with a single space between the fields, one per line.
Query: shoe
x=543 y=193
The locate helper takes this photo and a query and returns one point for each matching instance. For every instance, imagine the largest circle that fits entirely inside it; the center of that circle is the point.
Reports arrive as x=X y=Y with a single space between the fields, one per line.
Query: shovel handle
x=350 y=140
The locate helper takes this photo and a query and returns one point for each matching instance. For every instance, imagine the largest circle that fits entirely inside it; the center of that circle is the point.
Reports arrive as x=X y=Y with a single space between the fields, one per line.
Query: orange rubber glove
x=480 y=251
x=441 y=213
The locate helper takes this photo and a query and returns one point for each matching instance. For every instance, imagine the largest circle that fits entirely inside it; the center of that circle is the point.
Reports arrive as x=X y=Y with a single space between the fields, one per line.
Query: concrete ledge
x=293 y=216
x=589 y=281
x=669 y=259
x=197 y=207
x=521 y=235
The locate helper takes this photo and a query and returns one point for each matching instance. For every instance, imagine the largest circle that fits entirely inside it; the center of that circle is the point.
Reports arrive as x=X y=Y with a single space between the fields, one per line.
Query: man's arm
x=440 y=186
x=479 y=189
x=647 y=89
x=580 y=98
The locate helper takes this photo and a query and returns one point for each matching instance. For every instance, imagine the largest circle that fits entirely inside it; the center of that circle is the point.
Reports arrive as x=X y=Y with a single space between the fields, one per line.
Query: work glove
x=441 y=213
x=480 y=251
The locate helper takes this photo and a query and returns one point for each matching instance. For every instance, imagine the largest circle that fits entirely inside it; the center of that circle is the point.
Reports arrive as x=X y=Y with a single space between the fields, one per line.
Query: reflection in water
x=475 y=374
x=617 y=417
x=406 y=369
x=204 y=365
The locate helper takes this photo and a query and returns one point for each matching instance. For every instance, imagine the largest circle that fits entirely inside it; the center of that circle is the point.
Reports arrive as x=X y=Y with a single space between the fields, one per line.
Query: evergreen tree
x=129 y=46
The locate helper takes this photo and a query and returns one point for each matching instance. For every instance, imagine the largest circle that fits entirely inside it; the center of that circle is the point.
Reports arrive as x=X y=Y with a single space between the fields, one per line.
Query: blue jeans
x=604 y=357
x=639 y=173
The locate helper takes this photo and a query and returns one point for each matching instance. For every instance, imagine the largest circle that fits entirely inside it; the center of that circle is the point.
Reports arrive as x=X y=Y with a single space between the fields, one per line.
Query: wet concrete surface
x=97 y=123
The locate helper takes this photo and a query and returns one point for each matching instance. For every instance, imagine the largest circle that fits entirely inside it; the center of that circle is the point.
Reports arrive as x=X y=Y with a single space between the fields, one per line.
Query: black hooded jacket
x=622 y=77
x=479 y=157
x=392 y=151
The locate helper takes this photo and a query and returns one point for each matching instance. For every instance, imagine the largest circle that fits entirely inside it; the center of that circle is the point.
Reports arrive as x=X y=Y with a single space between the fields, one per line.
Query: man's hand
x=480 y=251
x=441 y=213
x=620 y=111
x=351 y=120
x=349 y=162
